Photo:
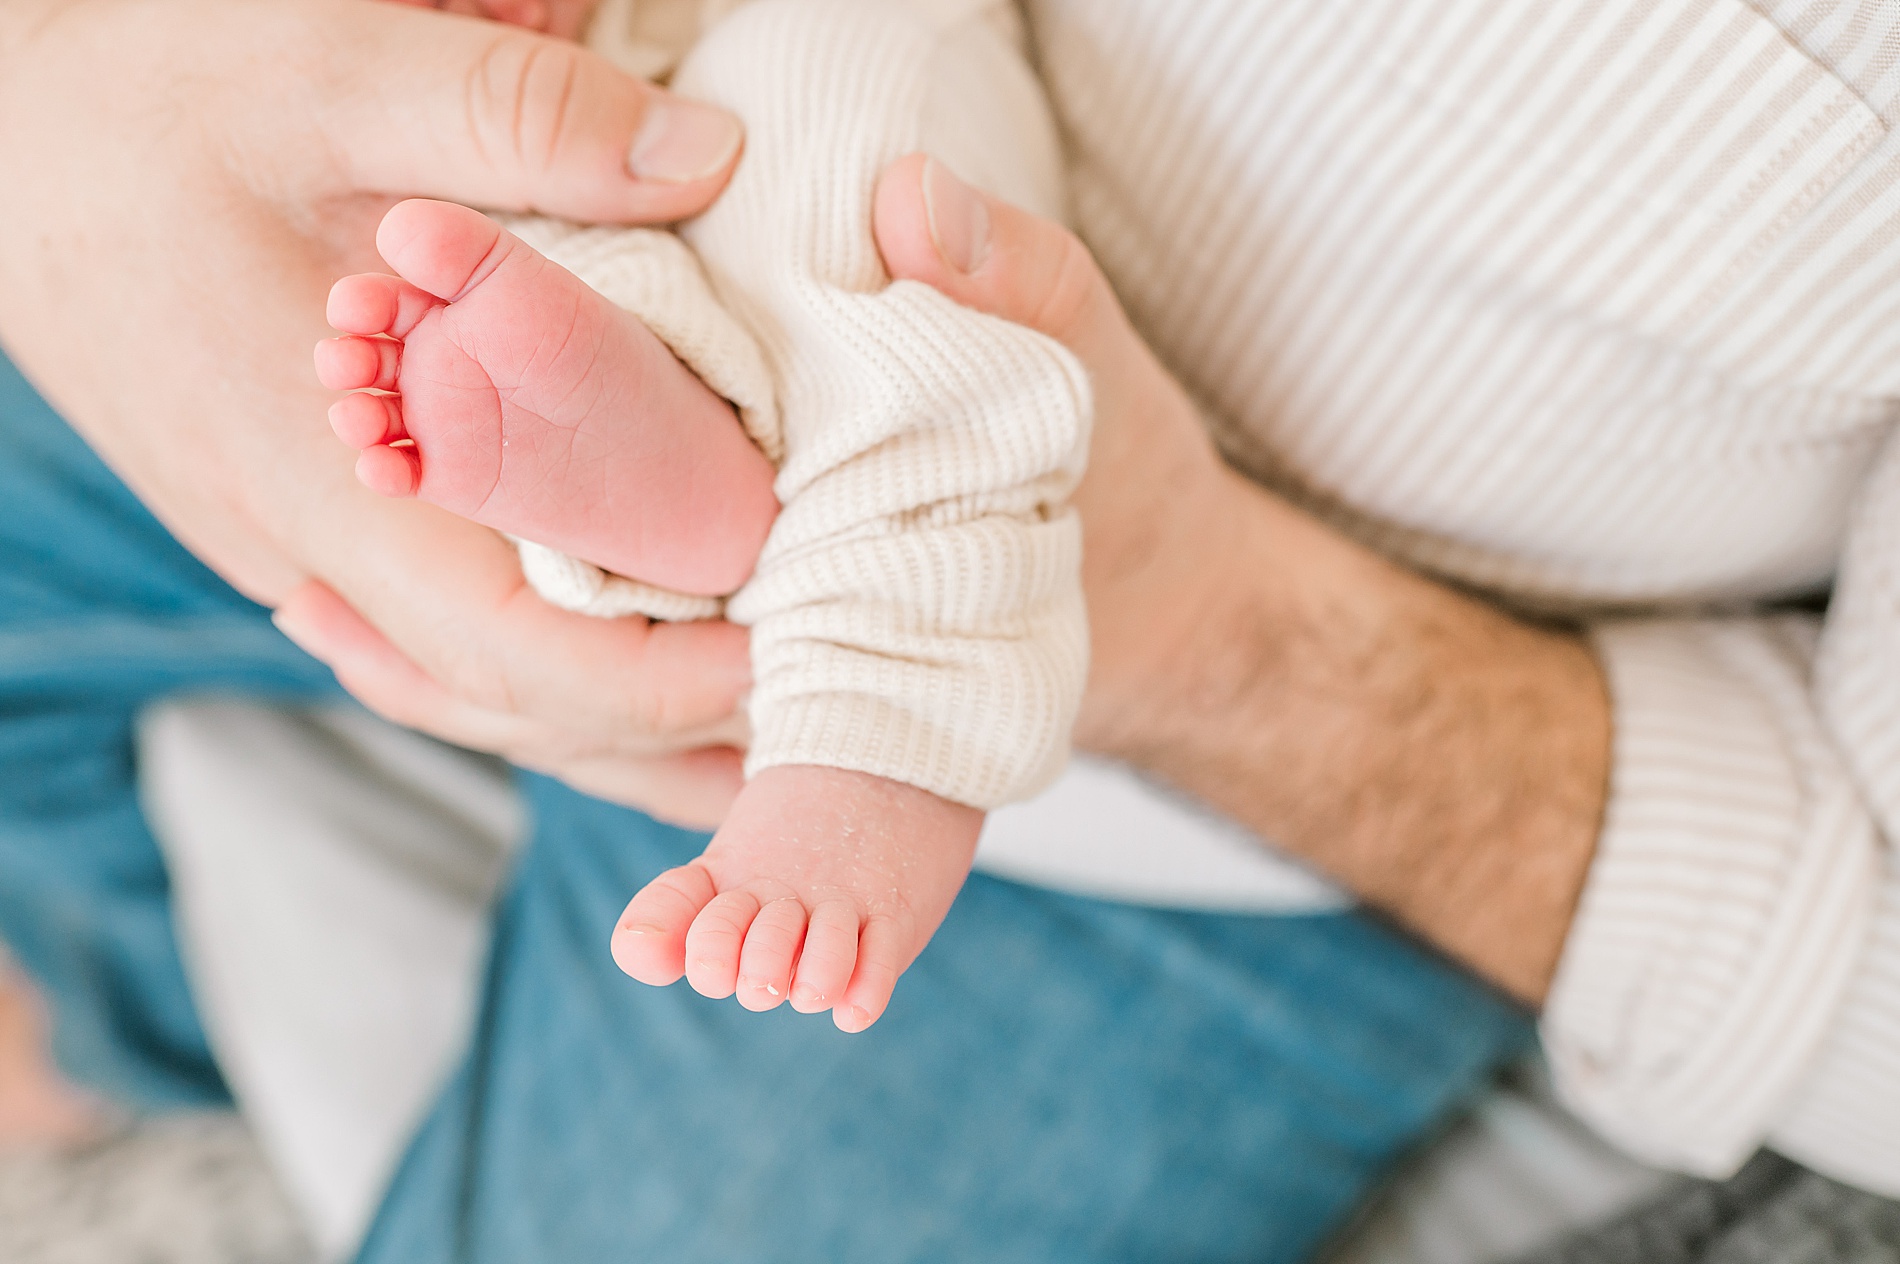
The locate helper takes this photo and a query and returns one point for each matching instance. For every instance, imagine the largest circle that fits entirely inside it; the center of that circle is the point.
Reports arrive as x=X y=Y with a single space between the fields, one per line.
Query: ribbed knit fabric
x=1593 y=305
x=1730 y=898
x=917 y=611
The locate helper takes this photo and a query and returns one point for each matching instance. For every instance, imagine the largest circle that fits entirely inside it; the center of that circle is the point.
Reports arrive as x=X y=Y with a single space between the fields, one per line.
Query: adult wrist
x=1444 y=760
x=1154 y=586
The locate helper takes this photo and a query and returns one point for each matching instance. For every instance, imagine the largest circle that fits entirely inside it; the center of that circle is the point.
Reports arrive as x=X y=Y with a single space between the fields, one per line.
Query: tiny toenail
x=641 y=928
x=771 y=989
x=682 y=141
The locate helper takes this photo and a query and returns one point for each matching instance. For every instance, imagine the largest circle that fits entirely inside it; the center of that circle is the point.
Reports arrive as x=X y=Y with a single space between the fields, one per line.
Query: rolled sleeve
x=1730 y=901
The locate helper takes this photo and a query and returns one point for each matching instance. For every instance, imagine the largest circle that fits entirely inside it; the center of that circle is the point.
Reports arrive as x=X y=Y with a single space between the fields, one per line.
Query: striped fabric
x=1593 y=305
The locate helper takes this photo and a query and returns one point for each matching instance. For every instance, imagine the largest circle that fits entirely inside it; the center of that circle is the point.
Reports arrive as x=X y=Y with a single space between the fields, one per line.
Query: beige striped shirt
x=1593 y=305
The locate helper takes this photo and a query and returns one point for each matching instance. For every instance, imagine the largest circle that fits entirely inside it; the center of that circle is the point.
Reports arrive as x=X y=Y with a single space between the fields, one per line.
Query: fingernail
x=959 y=221
x=299 y=635
x=681 y=141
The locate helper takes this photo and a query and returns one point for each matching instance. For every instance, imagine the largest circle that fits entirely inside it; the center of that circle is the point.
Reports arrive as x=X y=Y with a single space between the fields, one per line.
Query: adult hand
x=187 y=178
x=1445 y=761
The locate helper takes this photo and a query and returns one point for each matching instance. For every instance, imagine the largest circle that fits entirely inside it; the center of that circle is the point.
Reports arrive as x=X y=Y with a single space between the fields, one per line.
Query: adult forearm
x=1443 y=760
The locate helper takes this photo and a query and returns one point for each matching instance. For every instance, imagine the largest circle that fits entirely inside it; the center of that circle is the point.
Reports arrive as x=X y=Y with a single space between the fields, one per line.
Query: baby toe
x=363 y=304
x=364 y=421
x=389 y=471
x=771 y=949
x=884 y=952
x=715 y=940
x=440 y=247
x=830 y=955
x=649 y=941
x=351 y=363
x=372 y=303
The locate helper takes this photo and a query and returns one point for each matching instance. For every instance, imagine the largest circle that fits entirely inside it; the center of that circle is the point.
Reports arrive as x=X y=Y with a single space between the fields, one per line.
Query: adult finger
x=378 y=675
x=424 y=103
x=693 y=788
x=540 y=691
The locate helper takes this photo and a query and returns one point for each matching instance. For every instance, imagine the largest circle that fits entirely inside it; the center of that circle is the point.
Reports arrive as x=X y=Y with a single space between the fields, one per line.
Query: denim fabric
x=101 y=611
x=1059 y=1079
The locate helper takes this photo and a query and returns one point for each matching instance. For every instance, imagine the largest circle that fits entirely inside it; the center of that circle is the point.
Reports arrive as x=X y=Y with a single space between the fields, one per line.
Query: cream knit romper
x=917 y=611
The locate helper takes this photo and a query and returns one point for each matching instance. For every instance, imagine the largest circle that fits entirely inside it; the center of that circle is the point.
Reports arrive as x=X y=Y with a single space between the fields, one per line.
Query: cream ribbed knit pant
x=917 y=611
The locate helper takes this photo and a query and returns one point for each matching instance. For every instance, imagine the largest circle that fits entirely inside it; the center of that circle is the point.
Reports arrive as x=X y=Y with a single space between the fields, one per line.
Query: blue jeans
x=1059 y=1079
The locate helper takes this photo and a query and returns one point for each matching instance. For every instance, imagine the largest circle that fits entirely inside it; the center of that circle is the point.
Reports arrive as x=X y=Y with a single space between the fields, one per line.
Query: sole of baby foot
x=492 y=382
x=820 y=889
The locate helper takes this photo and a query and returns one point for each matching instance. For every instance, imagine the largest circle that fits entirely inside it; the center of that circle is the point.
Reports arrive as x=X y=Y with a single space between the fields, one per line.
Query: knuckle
x=398 y=711
x=1071 y=291
x=647 y=707
x=467 y=673
x=406 y=708
x=522 y=94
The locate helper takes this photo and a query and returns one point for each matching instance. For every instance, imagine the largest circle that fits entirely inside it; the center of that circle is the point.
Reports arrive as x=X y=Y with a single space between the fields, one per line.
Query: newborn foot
x=821 y=888
x=520 y=398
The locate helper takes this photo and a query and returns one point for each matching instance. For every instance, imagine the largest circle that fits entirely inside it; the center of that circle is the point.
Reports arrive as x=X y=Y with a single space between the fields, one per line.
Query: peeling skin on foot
x=830 y=925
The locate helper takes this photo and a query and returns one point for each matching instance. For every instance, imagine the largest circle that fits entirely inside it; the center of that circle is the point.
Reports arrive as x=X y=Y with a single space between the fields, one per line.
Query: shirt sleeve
x=1732 y=978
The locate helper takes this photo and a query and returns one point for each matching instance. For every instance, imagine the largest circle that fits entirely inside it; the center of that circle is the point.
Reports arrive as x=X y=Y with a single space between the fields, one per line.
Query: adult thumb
x=503 y=118
x=1149 y=446
x=997 y=258
x=1001 y=260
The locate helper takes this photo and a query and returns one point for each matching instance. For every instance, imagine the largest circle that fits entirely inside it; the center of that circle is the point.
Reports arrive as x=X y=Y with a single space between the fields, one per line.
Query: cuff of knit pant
x=584 y=588
x=862 y=733
x=1727 y=901
x=654 y=276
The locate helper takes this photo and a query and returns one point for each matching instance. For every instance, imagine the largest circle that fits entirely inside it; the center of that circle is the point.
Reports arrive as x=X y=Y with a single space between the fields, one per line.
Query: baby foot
x=821 y=888
x=499 y=386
